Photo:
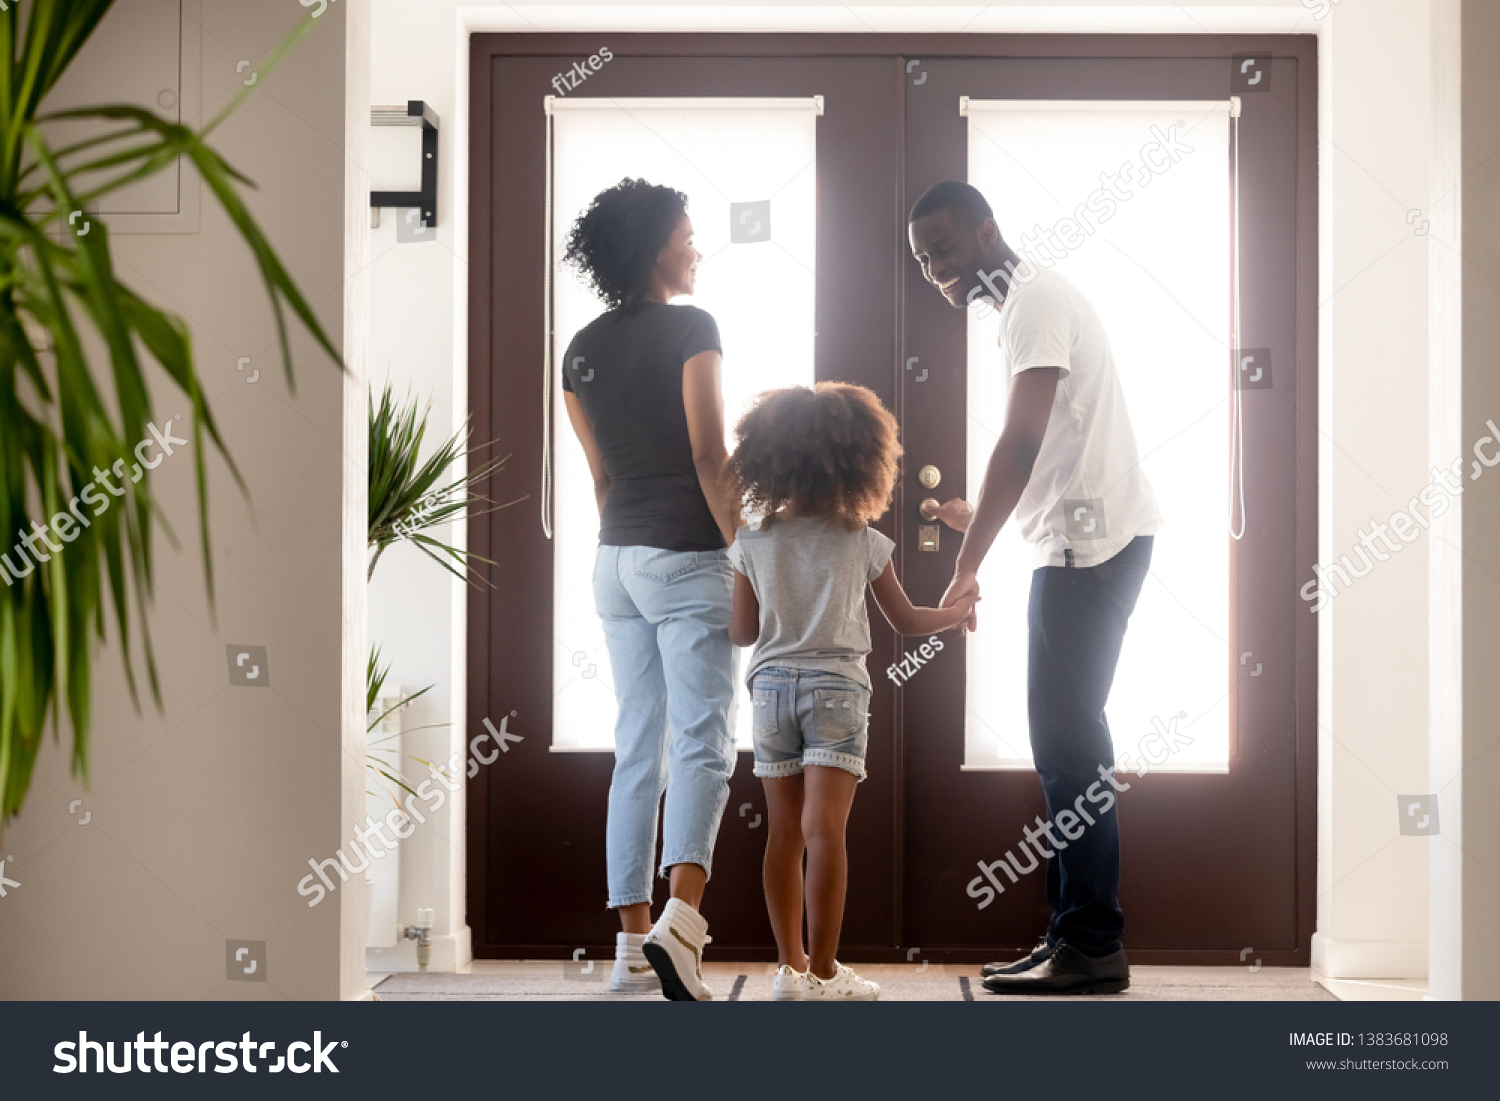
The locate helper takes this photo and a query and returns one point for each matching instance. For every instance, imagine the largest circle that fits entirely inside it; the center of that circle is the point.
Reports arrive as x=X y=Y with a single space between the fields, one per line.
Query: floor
x=496 y=980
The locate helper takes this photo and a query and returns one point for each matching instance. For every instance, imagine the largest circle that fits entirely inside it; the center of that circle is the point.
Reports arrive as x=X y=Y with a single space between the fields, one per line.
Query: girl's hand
x=964 y=585
x=965 y=605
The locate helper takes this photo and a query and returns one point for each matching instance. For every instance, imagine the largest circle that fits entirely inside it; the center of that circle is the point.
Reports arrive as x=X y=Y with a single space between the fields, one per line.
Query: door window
x=1130 y=201
x=748 y=168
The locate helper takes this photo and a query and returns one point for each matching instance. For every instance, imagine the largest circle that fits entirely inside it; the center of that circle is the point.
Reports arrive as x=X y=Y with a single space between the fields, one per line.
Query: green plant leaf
x=407 y=496
x=76 y=511
x=375 y=677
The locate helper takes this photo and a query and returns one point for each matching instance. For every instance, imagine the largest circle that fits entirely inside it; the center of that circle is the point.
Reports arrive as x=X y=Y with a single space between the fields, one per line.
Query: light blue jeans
x=666 y=625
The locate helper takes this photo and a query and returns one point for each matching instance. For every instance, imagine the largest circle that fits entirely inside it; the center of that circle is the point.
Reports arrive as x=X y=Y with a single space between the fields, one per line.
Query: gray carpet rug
x=550 y=983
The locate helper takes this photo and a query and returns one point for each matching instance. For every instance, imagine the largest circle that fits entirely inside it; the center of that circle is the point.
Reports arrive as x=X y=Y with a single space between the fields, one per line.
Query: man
x=1066 y=465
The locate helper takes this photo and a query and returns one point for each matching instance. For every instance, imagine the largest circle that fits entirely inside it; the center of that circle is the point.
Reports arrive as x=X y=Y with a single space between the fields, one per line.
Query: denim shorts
x=807 y=717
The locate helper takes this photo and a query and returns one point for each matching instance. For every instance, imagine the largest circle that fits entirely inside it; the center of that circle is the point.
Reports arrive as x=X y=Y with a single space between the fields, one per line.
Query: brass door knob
x=928 y=508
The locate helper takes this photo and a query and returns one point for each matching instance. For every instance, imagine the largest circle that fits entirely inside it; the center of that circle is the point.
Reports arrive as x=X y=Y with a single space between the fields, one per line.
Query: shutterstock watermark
x=194 y=1056
x=1046 y=245
x=319 y=884
x=69 y=525
x=1403 y=527
x=1165 y=740
x=1156 y=747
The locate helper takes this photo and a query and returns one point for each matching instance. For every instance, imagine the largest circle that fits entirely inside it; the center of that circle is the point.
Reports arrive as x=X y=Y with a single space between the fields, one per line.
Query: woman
x=641 y=386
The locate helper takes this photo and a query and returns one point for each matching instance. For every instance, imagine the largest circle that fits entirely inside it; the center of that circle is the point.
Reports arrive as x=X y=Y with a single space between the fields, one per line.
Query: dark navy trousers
x=1076 y=618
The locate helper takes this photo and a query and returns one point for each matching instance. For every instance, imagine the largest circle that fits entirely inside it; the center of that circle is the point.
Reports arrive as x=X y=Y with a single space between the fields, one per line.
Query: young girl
x=817 y=465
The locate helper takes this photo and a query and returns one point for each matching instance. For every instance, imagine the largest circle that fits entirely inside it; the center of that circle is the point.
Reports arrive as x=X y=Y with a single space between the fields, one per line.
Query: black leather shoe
x=1025 y=963
x=1066 y=971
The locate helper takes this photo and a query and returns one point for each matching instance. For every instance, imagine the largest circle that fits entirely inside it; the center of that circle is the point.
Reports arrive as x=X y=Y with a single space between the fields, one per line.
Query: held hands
x=963 y=591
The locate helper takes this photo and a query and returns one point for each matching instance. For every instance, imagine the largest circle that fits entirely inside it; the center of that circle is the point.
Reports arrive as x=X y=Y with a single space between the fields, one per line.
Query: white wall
x=354 y=772
x=1375 y=129
x=1465 y=895
x=201 y=818
x=416 y=341
x=1374 y=136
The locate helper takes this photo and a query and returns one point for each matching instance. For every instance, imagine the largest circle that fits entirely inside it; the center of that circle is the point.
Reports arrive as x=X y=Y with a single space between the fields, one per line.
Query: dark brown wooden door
x=1212 y=863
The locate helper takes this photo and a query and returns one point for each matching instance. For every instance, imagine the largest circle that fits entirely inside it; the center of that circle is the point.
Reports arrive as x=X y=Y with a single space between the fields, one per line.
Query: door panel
x=1211 y=862
x=557 y=800
x=1208 y=861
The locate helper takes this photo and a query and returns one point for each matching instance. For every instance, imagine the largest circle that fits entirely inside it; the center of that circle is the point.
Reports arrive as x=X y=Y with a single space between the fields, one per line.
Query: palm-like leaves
x=405 y=498
x=379 y=757
x=59 y=434
x=405 y=494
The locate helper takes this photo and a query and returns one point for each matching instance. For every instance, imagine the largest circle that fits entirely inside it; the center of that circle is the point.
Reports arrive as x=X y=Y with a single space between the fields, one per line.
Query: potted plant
x=408 y=498
x=57 y=427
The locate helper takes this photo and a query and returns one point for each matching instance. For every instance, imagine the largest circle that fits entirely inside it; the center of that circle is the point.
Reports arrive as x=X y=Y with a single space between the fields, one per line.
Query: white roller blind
x=1156 y=265
x=759 y=286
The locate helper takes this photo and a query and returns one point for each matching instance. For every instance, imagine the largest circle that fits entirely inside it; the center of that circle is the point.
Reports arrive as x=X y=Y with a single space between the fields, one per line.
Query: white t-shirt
x=1087 y=490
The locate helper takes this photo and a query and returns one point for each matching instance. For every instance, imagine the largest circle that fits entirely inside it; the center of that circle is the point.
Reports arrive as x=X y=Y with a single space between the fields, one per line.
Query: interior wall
x=354 y=777
x=1376 y=121
x=1473 y=774
x=1465 y=897
x=1374 y=132
x=416 y=343
x=200 y=819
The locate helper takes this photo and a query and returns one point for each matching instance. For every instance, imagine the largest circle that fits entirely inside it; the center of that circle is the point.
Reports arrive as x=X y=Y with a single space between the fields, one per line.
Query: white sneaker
x=788 y=985
x=675 y=948
x=632 y=974
x=845 y=986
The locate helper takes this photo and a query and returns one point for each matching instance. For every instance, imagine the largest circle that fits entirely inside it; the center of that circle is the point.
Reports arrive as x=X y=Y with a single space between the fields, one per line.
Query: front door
x=832 y=139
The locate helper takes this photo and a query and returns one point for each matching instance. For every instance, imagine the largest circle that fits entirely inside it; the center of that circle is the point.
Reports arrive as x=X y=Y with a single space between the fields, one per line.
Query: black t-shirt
x=626 y=368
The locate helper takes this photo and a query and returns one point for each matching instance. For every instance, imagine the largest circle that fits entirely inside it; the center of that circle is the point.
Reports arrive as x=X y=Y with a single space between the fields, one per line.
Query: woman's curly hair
x=614 y=244
x=831 y=451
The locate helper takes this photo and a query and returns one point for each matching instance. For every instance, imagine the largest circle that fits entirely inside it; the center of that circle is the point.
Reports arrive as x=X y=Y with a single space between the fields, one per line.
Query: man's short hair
x=964 y=202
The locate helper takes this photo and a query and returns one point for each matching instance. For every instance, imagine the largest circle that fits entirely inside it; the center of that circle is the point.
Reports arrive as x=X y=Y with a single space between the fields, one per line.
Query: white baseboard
x=1369 y=959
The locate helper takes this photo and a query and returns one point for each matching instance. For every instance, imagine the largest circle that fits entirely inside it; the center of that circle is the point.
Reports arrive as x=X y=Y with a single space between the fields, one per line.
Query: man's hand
x=964 y=586
x=956 y=514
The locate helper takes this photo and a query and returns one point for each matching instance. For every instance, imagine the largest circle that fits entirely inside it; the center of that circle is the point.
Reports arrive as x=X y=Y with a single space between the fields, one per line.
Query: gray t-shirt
x=809 y=576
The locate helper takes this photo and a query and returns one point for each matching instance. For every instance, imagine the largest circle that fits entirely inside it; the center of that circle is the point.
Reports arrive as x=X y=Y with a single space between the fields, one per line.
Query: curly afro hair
x=831 y=451
x=615 y=242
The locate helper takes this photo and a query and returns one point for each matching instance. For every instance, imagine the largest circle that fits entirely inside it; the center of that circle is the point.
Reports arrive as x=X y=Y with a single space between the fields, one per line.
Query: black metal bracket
x=417 y=113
